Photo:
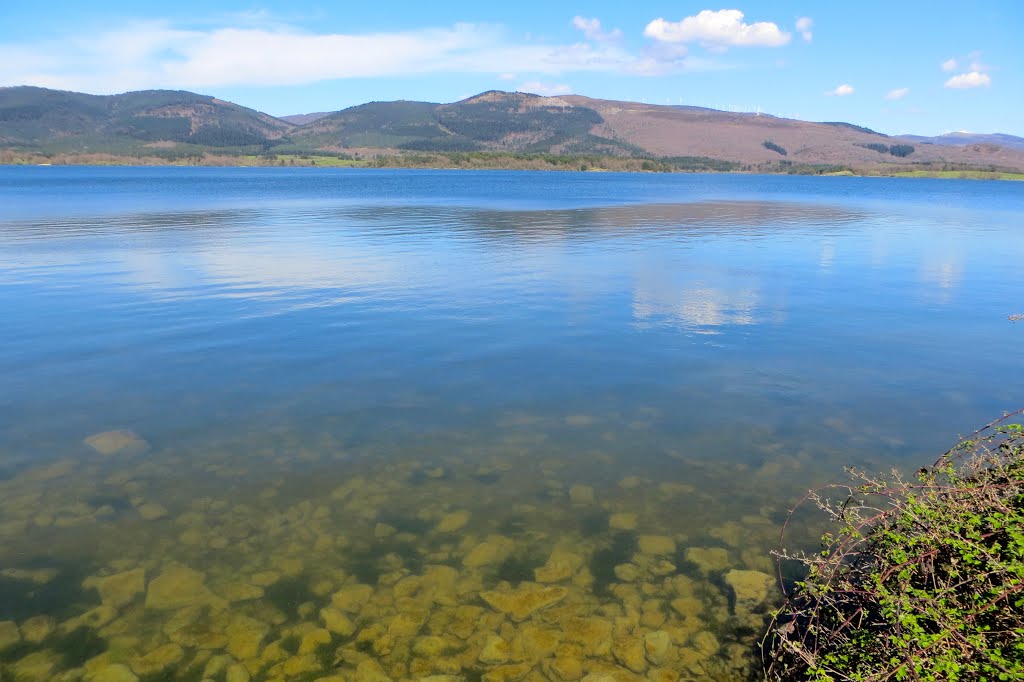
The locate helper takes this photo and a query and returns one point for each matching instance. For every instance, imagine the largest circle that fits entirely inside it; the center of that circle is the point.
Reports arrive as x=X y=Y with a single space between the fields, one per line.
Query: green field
x=961 y=175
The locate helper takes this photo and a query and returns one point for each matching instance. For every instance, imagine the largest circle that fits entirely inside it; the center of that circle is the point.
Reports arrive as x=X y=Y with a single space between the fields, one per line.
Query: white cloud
x=971 y=79
x=950 y=64
x=841 y=91
x=507 y=77
x=546 y=89
x=718 y=29
x=898 y=93
x=144 y=55
x=804 y=25
x=592 y=29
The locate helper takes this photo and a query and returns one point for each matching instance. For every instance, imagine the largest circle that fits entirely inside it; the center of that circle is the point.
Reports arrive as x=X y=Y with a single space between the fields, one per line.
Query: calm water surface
x=375 y=425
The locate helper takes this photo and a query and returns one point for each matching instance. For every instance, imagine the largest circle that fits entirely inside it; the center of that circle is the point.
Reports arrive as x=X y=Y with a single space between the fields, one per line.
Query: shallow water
x=493 y=425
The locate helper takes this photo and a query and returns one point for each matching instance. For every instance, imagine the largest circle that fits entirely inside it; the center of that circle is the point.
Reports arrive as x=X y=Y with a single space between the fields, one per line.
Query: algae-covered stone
x=493 y=550
x=431 y=646
x=177 y=587
x=158 y=660
x=245 y=636
x=151 y=511
x=119 y=589
x=706 y=643
x=663 y=675
x=507 y=673
x=238 y=592
x=709 y=559
x=9 y=634
x=522 y=602
x=36 y=667
x=313 y=640
x=628 y=650
x=600 y=677
x=535 y=642
x=622 y=521
x=567 y=668
x=594 y=635
x=751 y=588
x=581 y=494
x=118 y=442
x=352 y=598
x=113 y=673
x=336 y=621
x=236 y=672
x=657 y=646
x=658 y=545
x=408 y=623
x=496 y=650
x=370 y=670
x=37 y=628
x=627 y=573
x=561 y=565
x=453 y=522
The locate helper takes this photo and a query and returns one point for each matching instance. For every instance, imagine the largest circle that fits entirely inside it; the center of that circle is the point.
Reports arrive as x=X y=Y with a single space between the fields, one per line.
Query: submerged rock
x=709 y=559
x=158 y=660
x=560 y=566
x=593 y=635
x=37 y=628
x=453 y=522
x=118 y=442
x=496 y=650
x=622 y=521
x=245 y=636
x=657 y=646
x=151 y=511
x=352 y=598
x=751 y=588
x=581 y=494
x=522 y=602
x=507 y=673
x=113 y=673
x=628 y=650
x=493 y=550
x=9 y=634
x=658 y=545
x=180 y=586
x=36 y=667
x=119 y=589
x=336 y=621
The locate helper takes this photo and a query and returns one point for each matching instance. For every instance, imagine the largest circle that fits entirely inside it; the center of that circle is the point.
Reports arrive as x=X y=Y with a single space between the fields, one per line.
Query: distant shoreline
x=507 y=161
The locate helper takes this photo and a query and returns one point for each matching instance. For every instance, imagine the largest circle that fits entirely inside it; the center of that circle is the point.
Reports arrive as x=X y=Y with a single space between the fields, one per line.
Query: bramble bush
x=921 y=579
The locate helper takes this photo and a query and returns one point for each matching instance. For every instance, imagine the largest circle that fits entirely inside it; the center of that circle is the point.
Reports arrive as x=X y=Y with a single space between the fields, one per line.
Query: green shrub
x=771 y=146
x=920 y=580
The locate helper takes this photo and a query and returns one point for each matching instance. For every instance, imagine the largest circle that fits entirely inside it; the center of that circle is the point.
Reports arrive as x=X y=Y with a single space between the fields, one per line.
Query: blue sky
x=896 y=66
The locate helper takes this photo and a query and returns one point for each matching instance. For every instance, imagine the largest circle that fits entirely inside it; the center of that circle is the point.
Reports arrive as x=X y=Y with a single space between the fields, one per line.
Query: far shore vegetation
x=504 y=161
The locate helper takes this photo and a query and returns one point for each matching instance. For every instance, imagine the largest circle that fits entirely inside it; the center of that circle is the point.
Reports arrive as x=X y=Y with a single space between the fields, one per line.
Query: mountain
x=671 y=131
x=303 y=119
x=38 y=119
x=491 y=121
x=963 y=138
x=176 y=124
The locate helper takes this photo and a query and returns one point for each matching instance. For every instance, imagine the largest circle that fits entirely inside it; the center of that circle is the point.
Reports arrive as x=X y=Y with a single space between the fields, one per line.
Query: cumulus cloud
x=804 y=25
x=898 y=93
x=841 y=91
x=950 y=64
x=718 y=29
x=971 y=79
x=546 y=89
x=592 y=29
x=158 y=54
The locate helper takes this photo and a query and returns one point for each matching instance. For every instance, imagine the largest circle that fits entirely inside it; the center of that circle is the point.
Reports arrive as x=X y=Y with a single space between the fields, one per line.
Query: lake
x=368 y=425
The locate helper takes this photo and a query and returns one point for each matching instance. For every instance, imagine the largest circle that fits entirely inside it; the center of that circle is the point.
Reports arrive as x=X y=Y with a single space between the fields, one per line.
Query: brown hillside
x=693 y=131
